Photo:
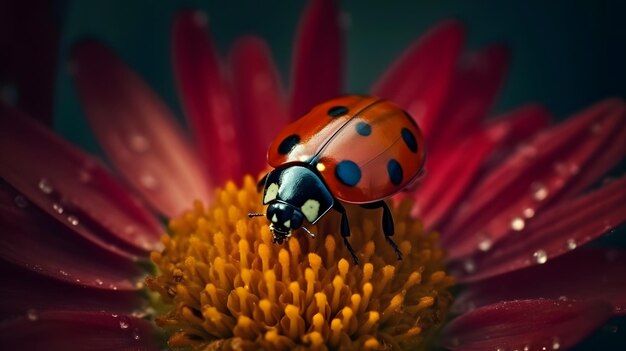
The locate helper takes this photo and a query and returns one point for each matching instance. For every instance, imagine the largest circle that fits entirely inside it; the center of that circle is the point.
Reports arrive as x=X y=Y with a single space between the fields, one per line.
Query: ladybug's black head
x=283 y=219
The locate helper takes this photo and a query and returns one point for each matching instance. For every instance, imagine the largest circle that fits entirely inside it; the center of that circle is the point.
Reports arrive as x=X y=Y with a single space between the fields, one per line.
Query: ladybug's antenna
x=308 y=232
x=250 y=215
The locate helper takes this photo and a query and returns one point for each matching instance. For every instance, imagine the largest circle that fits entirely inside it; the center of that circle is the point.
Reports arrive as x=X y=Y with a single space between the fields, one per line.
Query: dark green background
x=566 y=54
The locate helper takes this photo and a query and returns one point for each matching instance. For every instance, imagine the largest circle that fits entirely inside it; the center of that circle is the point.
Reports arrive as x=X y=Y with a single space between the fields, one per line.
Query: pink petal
x=24 y=292
x=317 y=73
x=420 y=79
x=558 y=231
x=65 y=182
x=137 y=131
x=206 y=98
x=532 y=178
x=259 y=97
x=474 y=88
x=580 y=275
x=451 y=172
x=526 y=325
x=35 y=241
x=62 y=330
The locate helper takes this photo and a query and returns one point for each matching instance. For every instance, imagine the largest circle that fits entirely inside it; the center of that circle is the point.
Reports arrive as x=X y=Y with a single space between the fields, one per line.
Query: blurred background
x=565 y=54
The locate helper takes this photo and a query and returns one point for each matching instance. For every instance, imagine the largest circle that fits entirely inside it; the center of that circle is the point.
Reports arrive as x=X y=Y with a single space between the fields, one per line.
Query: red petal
x=452 y=171
x=473 y=91
x=442 y=189
x=317 y=58
x=137 y=131
x=62 y=330
x=205 y=96
x=557 y=231
x=259 y=97
x=525 y=325
x=580 y=275
x=65 y=182
x=533 y=178
x=420 y=79
x=33 y=240
x=24 y=292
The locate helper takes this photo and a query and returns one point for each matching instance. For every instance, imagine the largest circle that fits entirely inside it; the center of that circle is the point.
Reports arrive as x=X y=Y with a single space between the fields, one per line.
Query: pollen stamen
x=228 y=286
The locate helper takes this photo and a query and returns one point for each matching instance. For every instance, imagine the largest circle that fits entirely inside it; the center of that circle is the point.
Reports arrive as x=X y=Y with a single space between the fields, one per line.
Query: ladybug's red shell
x=364 y=148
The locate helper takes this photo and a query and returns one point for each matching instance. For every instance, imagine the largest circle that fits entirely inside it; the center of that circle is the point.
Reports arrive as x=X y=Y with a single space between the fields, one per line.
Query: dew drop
x=527 y=348
x=20 y=201
x=556 y=344
x=571 y=244
x=73 y=220
x=32 y=314
x=200 y=19
x=139 y=143
x=469 y=265
x=148 y=181
x=529 y=212
x=114 y=315
x=57 y=208
x=518 y=224
x=112 y=286
x=45 y=186
x=540 y=256
x=540 y=191
x=595 y=128
x=124 y=322
x=98 y=281
x=84 y=176
x=64 y=273
x=136 y=334
x=484 y=244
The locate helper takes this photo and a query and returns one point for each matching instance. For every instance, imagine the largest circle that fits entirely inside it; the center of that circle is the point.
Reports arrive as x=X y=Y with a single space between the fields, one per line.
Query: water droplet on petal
x=529 y=212
x=57 y=208
x=595 y=128
x=469 y=265
x=136 y=334
x=124 y=322
x=540 y=256
x=484 y=243
x=113 y=315
x=556 y=344
x=518 y=224
x=84 y=176
x=98 y=281
x=148 y=181
x=112 y=286
x=540 y=191
x=200 y=19
x=73 y=220
x=571 y=244
x=527 y=348
x=139 y=143
x=64 y=273
x=45 y=186
x=20 y=201
x=32 y=314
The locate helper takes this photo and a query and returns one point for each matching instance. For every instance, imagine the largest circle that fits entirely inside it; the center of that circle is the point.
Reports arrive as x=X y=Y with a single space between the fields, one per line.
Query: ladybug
x=352 y=149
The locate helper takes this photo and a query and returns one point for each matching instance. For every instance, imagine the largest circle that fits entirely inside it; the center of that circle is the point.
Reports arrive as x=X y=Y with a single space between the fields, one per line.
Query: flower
x=501 y=193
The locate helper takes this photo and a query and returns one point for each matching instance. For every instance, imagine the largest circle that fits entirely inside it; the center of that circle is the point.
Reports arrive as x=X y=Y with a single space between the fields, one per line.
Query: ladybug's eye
x=337 y=111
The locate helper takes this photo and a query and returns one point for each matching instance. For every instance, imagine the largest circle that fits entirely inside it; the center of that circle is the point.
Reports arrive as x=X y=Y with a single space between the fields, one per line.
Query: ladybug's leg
x=388 y=228
x=261 y=183
x=345 y=229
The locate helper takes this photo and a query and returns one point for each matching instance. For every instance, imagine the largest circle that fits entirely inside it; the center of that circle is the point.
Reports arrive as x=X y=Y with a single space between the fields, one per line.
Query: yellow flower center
x=227 y=286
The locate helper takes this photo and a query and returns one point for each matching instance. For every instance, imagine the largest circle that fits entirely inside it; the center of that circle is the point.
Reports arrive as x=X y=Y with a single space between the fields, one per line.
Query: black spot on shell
x=288 y=144
x=348 y=173
x=363 y=128
x=394 y=169
x=409 y=139
x=337 y=111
